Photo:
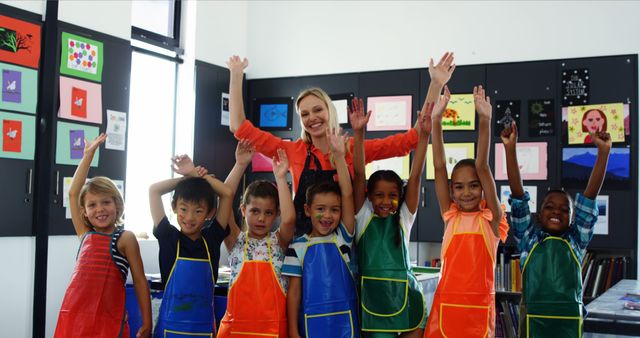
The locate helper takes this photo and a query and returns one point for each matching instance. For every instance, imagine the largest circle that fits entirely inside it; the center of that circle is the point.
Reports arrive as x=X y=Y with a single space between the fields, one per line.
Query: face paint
x=318 y=216
x=395 y=203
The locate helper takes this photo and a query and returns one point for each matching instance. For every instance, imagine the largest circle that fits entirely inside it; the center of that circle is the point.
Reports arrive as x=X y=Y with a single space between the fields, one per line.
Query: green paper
x=28 y=136
x=69 y=66
x=63 y=146
x=29 y=90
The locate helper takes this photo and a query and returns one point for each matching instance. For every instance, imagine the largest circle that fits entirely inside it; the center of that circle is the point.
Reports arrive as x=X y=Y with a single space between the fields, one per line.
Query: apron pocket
x=384 y=297
x=183 y=334
x=335 y=325
x=553 y=326
x=251 y=335
x=461 y=320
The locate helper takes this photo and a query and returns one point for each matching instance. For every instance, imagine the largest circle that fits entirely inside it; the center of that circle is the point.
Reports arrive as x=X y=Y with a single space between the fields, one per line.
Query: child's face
x=325 y=212
x=466 y=190
x=259 y=213
x=191 y=217
x=100 y=210
x=555 y=214
x=384 y=198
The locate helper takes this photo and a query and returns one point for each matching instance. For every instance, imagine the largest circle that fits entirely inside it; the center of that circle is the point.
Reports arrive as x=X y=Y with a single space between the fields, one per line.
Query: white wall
x=34 y=6
x=221 y=30
x=17 y=256
x=109 y=17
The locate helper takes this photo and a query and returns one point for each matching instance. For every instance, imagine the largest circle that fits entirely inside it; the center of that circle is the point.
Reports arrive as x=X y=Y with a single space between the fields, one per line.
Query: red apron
x=464 y=303
x=94 y=304
x=256 y=303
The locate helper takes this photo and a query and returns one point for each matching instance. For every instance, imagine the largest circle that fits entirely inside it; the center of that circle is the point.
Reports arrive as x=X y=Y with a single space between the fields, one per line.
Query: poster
x=80 y=100
x=505 y=192
x=224 y=110
x=575 y=87
x=81 y=57
x=454 y=152
x=19 y=88
x=532 y=160
x=577 y=164
x=389 y=113
x=19 y=42
x=116 y=130
x=400 y=165
x=69 y=138
x=260 y=163
x=18 y=136
x=541 y=118
x=505 y=112
x=602 y=224
x=460 y=113
x=581 y=120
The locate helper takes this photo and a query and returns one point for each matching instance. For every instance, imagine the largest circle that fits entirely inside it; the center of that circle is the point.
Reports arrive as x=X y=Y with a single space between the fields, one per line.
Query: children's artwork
x=575 y=87
x=454 y=152
x=81 y=57
x=577 y=164
x=532 y=160
x=116 y=130
x=70 y=142
x=19 y=88
x=224 y=110
x=19 y=42
x=400 y=165
x=341 y=109
x=18 y=136
x=389 y=113
x=541 y=118
x=581 y=120
x=460 y=113
x=506 y=111
x=602 y=223
x=261 y=163
x=273 y=113
x=505 y=192
x=80 y=100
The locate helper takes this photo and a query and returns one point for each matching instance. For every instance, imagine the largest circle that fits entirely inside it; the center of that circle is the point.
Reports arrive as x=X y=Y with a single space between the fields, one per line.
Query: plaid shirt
x=527 y=233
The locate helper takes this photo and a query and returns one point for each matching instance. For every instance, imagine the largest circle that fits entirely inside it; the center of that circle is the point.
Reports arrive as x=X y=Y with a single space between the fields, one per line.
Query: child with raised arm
x=189 y=256
x=94 y=304
x=391 y=297
x=256 y=302
x=464 y=303
x=322 y=298
x=552 y=247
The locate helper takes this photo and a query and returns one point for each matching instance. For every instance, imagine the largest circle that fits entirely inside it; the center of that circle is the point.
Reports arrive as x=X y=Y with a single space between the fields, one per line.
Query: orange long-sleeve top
x=374 y=149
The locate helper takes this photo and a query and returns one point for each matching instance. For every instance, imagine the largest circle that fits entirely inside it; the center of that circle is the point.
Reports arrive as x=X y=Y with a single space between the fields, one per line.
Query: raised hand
x=602 y=140
x=280 y=164
x=424 y=124
x=482 y=102
x=509 y=136
x=441 y=73
x=337 y=141
x=90 y=147
x=357 y=117
x=201 y=171
x=237 y=65
x=183 y=165
x=441 y=105
x=244 y=152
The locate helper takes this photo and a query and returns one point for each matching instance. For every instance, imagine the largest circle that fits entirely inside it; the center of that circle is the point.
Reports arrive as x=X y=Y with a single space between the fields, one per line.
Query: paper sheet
x=116 y=130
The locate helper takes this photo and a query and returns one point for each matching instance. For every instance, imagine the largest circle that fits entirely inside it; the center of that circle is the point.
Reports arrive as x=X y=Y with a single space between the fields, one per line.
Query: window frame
x=172 y=44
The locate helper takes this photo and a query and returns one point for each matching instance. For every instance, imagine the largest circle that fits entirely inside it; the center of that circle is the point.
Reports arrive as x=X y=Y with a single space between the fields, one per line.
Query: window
x=156 y=22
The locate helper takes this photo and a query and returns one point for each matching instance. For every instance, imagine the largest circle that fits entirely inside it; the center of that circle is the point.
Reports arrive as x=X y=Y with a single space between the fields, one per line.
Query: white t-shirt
x=366 y=212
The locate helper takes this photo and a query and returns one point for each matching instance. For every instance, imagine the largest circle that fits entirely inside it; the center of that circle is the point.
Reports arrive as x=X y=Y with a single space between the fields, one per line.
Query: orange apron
x=464 y=303
x=256 y=303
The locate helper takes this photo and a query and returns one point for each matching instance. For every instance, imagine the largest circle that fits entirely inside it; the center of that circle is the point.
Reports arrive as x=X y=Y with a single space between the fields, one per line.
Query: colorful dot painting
x=83 y=57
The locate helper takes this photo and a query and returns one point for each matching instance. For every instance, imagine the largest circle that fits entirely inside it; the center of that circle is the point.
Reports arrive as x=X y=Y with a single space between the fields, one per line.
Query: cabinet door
x=17 y=197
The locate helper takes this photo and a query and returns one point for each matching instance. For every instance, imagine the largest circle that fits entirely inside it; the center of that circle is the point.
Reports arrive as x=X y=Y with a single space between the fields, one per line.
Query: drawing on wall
x=274 y=115
x=19 y=42
x=116 y=130
x=582 y=120
x=399 y=165
x=454 y=152
x=575 y=87
x=11 y=86
x=261 y=163
x=505 y=192
x=541 y=118
x=18 y=136
x=81 y=57
x=506 y=111
x=577 y=164
x=12 y=136
x=389 y=113
x=76 y=143
x=224 y=110
x=19 y=88
x=602 y=223
x=460 y=113
x=70 y=138
x=80 y=100
x=532 y=160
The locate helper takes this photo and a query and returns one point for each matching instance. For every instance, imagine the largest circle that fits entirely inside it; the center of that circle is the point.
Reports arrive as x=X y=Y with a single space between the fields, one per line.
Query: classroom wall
x=34 y=6
x=221 y=30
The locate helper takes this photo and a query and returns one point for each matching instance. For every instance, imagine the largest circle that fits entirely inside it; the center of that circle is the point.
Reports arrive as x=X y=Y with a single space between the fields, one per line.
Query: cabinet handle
x=29 y=181
x=422 y=191
x=57 y=182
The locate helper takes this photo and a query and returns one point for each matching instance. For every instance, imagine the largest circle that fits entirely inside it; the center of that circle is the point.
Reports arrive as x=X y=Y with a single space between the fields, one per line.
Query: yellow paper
x=601 y=117
x=454 y=152
x=460 y=113
x=398 y=164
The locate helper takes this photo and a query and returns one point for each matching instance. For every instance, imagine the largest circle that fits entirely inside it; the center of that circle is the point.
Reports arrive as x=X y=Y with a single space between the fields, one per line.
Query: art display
x=80 y=100
x=19 y=88
x=454 y=152
x=541 y=118
x=18 y=136
x=70 y=140
x=460 y=113
x=582 y=120
x=81 y=57
x=19 y=42
x=389 y=113
x=532 y=160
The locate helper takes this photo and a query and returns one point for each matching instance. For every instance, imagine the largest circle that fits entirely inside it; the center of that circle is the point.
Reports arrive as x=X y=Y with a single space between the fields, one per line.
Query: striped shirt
x=527 y=233
x=295 y=254
x=121 y=261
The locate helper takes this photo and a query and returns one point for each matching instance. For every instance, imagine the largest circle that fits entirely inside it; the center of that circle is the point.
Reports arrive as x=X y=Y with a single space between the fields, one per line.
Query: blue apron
x=187 y=304
x=329 y=303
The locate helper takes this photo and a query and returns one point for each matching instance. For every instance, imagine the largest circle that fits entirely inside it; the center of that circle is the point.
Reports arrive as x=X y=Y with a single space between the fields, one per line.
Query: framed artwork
x=341 y=102
x=80 y=100
x=398 y=164
x=389 y=113
x=532 y=160
x=19 y=42
x=460 y=113
x=505 y=192
x=454 y=152
x=81 y=57
x=581 y=120
x=273 y=113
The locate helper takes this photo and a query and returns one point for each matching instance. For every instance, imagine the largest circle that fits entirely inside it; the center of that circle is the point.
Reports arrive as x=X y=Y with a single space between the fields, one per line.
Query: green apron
x=391 y=296
x=551 y=291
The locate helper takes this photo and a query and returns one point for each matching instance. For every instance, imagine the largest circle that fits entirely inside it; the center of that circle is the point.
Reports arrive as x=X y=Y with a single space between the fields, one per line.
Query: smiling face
x=259 y=214
x=384 y=197
x=314 y=115
x=191 y=217
x=325 y=212
x=466 y=190
x=593 y=121
x=555 y=214
x=100 y=211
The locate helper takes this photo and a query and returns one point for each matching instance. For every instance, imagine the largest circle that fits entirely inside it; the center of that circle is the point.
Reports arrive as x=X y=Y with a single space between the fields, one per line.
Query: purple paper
x=76 y=139
x=11 y=86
